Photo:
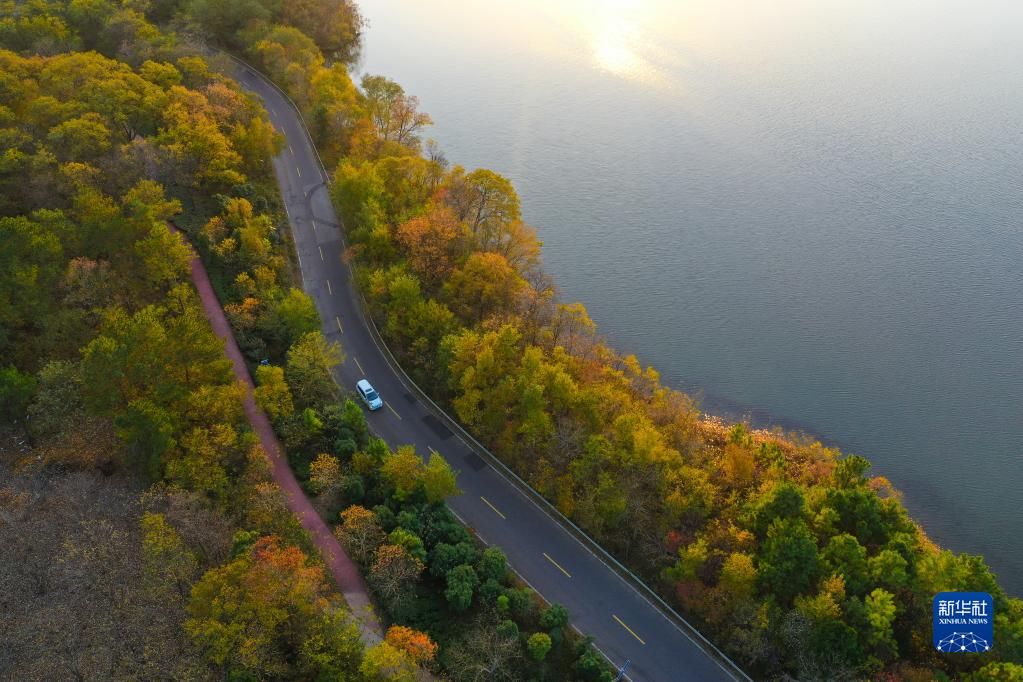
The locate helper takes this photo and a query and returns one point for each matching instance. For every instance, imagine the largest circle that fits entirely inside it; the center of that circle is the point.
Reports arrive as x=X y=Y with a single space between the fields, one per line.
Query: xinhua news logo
x=963 y=622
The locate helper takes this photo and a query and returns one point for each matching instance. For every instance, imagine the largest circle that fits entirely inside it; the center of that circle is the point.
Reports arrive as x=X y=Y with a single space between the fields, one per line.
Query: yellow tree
x=386 y=663
x=324 y=474
x=273 y=394
x=404 y=470
x=439 y=480
x=395 y=115
x=394 y=573
x=269 y=613
x=359 y=533
x=486 y=285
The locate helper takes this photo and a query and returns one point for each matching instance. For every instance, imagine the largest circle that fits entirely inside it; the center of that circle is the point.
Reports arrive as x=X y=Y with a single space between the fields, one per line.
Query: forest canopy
x=790 y=555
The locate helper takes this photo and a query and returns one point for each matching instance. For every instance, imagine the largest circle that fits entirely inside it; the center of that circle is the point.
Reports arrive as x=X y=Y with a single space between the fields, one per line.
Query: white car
x=369 y=395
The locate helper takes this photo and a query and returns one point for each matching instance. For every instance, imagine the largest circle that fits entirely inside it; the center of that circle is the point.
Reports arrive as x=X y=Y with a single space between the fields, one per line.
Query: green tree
x=554 y=617
x=782 y=501
x=297 y=315
x=738 y=575
x=149 y=430
x=880 y=613
x=159 y=353
x=444 y=557
x=462 y=582
x=788 y=563
x=538 y=645
x=589 y=665
x=845 y=556
x=493 y=565
x=411 y=542
x=889 y=569
x=16 y=391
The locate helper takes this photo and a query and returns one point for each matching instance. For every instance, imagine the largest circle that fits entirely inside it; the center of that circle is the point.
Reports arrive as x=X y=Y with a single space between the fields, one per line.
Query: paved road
x=624 y=624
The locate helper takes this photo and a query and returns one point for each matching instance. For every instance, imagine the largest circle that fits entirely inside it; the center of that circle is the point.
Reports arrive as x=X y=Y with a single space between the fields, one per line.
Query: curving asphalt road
x=625 y=625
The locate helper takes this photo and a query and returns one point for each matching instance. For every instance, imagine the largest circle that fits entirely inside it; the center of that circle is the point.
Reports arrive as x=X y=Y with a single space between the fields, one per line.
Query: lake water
x=806 y=211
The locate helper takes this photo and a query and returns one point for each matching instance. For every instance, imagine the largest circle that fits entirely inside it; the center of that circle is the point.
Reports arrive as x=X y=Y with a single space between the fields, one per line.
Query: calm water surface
x=806 y=211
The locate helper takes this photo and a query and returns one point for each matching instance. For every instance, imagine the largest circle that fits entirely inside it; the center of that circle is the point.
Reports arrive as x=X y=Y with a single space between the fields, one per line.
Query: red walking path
x=345 y=572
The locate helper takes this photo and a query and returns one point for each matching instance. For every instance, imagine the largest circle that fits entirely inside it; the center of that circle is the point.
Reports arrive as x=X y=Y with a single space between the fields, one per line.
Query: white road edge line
x=631 y=587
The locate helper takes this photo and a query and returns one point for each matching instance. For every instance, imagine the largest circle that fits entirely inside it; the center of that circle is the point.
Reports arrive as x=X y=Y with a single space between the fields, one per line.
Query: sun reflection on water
x=615 y=39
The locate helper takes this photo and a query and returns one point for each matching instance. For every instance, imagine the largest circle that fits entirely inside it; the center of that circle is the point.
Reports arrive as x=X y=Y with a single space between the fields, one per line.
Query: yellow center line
x=392 y=409
x=487 y=502
x=629 y=629
x=329 y=290
x=358 y=365
x=321 y=252
x=338 y=320
x=548 y=556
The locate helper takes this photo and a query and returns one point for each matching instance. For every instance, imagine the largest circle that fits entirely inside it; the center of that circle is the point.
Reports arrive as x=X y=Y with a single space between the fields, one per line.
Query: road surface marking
x=430 y=448
x=338 y=320
x=487 y=502
x=329 y=290
x=629 y=629
x=291 y=150
x=548 y=556
x=532 y=587
x=392 y=409
x=602 y=559
x=300 y=266
x=299 y=171
x=321 y=253
x=273 y=112
x=358 y=365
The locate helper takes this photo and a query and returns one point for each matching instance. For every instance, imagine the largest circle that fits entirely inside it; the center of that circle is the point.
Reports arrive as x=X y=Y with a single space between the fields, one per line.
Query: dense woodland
x=137 y=501
x=790 y=554
x=143 y=536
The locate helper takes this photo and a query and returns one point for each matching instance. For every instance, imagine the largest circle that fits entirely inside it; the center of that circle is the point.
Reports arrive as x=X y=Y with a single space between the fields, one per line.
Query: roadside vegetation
x=789 y=554
x=143 y=535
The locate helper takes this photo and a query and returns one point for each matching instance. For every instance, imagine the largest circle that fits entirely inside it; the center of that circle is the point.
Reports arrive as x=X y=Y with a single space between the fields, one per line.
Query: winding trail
x=341 y=567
